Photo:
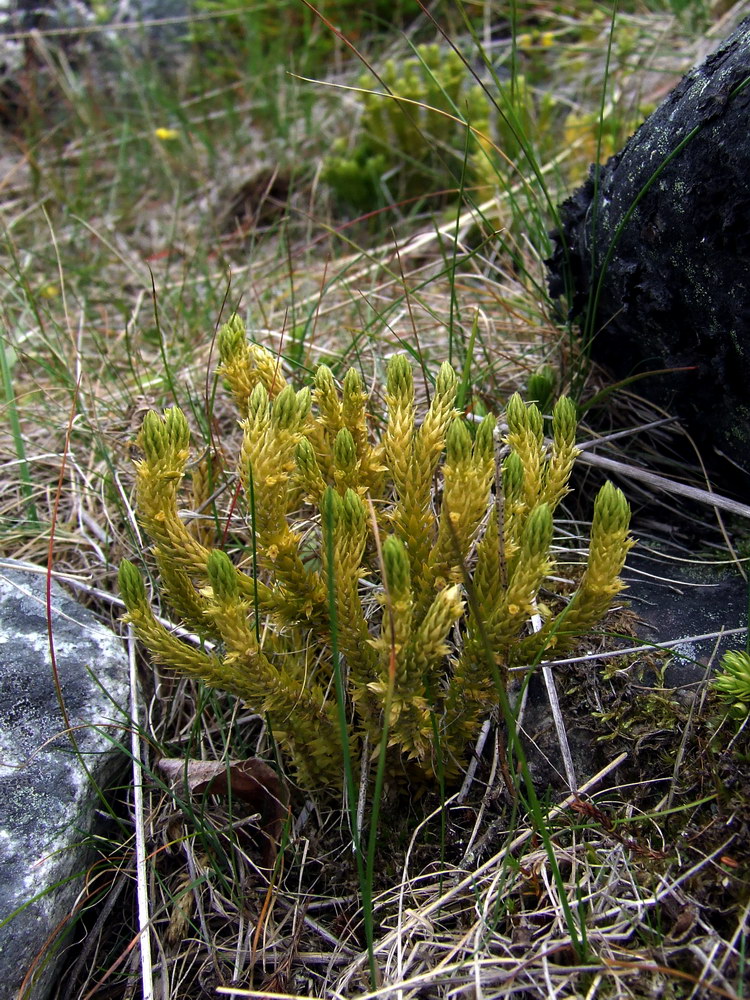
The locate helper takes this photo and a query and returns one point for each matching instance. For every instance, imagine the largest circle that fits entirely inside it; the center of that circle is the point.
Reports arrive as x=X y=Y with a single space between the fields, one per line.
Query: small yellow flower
x=547 y=39
x=166 y=134
x=50 y=291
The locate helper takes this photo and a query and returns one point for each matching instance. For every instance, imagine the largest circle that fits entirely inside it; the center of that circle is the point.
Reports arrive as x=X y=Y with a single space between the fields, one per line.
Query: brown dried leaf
x=251 y=780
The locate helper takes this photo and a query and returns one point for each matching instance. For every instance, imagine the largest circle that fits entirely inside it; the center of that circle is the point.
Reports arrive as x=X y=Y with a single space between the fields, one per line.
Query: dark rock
x=47 y=801
x=677 y=601
x=654 y=254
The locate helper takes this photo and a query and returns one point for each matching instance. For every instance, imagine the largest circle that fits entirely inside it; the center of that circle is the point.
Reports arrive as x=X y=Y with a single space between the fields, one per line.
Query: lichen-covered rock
x=47 y=800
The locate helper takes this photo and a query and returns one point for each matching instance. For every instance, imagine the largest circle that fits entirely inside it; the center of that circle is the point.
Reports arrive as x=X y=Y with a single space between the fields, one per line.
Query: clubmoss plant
x=733 y=683
x=402 y=525
x=411 y=143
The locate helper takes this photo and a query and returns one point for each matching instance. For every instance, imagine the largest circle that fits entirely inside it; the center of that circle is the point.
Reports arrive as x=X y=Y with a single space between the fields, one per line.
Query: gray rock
x=94 y=35
x=56 y=16
x=47 y=801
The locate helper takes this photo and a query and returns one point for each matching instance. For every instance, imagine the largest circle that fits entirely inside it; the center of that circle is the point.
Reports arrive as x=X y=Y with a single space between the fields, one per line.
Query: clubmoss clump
x=412 y=582
x=412 y=139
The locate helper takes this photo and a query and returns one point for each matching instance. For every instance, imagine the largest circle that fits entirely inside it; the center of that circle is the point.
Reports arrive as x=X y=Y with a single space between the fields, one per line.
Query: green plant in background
x=733 y=683
x=231 y=32
x=410 y=143
x=540 y=388
x=353 y=570
x=528 y=123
